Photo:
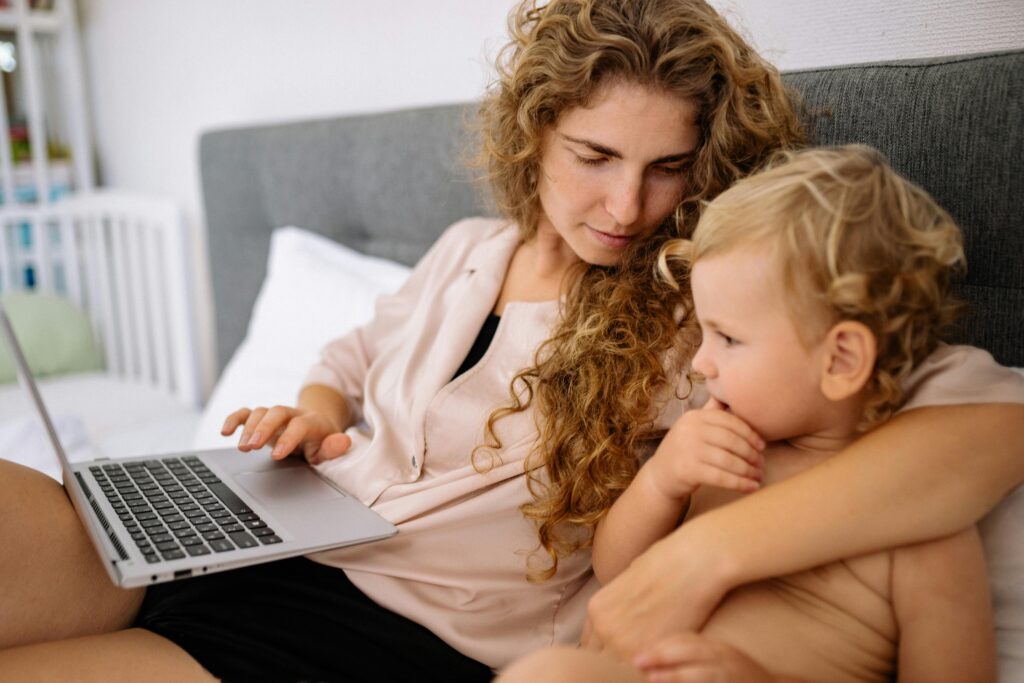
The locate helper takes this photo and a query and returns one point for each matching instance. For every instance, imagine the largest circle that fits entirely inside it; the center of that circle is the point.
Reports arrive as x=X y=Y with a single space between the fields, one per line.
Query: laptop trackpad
x=291 y=483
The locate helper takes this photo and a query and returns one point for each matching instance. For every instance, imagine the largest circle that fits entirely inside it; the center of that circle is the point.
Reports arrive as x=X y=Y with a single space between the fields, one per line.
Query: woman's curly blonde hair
x=615 y=355
x=853 y=241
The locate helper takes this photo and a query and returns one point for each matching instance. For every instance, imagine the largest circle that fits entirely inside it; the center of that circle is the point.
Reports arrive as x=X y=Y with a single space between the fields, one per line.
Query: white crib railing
x=125 y=261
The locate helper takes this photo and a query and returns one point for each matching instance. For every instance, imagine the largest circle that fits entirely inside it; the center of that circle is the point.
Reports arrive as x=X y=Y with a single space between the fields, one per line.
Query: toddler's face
x=751 y=354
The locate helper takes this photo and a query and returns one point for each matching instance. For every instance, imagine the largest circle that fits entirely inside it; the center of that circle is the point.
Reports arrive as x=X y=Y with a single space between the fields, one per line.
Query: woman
x=590 y=192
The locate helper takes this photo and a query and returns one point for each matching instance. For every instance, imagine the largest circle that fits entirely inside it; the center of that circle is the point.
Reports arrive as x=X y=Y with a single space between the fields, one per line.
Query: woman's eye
x=729 y=341
x=591 y=161
x=671 y=170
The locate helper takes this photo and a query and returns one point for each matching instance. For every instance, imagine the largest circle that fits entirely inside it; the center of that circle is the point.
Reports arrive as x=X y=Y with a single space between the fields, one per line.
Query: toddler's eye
x=729 y=341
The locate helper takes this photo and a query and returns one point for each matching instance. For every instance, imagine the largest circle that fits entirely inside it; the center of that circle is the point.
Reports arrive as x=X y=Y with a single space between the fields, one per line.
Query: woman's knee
x=568 y=664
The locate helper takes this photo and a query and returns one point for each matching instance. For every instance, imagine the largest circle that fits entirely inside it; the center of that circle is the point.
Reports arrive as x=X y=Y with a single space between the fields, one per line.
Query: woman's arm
x=927 y=473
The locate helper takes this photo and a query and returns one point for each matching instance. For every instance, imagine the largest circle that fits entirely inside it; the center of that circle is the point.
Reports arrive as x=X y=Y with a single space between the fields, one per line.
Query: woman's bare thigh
x=54 y=586
x=131 y=655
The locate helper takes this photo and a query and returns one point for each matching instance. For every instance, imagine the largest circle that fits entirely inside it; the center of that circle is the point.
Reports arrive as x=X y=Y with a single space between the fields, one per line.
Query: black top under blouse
x=480 y=346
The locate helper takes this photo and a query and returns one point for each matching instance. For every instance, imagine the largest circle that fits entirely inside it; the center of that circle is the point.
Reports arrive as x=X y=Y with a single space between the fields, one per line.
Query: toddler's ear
x=848 y=359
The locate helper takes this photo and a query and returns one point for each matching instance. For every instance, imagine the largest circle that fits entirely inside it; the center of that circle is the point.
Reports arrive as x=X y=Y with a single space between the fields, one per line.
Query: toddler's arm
x=708 y=446
x=944 y=610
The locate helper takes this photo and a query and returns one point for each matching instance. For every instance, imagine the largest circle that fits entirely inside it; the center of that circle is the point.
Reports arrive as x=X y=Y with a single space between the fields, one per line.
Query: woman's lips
x=609 y=240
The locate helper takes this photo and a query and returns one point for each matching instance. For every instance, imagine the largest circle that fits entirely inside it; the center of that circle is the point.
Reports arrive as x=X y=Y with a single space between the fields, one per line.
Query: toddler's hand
x=288 y=430
x=689 y=657
x=708 y=447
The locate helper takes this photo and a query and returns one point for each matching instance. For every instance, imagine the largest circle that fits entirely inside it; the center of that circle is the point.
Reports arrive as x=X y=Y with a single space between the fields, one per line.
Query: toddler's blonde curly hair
x=854 y=241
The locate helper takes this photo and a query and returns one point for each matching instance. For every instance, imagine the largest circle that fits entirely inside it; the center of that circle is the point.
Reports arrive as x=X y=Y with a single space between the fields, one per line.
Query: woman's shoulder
x=960 y=375
x=473 y=230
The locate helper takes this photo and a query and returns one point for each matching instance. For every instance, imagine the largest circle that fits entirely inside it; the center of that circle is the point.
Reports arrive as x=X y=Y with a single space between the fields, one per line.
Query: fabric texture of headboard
x=388 y=184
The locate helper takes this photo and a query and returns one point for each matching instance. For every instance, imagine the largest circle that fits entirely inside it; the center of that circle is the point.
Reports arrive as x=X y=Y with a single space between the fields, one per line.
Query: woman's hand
x=289 y=430
x=671 y=588
x=707 y=447
x=693 y=658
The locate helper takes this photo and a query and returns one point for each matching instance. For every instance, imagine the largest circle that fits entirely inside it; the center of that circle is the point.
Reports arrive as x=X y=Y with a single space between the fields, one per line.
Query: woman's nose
x=625 y=200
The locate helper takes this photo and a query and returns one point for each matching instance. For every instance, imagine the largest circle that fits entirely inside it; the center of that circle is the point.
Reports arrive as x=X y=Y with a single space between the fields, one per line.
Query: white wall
x=162 y=72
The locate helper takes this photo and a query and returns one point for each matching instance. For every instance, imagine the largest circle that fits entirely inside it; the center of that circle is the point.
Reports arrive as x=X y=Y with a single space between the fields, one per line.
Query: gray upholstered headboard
x=388 y=184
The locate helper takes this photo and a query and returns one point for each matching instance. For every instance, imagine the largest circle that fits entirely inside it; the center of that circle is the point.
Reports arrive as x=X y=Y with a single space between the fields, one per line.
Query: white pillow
x=315 y=290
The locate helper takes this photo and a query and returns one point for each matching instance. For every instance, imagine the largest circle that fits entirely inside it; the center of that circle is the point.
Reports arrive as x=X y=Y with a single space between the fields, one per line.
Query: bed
x=386 y=185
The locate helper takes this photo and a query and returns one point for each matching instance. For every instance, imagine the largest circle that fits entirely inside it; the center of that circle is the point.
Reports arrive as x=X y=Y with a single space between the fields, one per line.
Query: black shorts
x=297 y=620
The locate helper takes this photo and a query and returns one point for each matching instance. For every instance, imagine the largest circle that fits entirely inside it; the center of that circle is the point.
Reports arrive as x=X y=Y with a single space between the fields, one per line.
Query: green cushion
x=55 y=336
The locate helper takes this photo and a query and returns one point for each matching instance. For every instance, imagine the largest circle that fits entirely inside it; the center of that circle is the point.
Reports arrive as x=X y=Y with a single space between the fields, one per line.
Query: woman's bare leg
x=569 y=665
x=132 y=655
x=52 y=585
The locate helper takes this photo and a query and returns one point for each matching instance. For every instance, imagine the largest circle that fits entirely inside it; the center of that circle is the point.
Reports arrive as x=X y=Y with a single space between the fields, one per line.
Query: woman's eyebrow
x=615 y=154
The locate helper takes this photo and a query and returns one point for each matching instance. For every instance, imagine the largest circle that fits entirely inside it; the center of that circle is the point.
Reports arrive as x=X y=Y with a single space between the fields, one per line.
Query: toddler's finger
x=713 y=404
x=738 y=426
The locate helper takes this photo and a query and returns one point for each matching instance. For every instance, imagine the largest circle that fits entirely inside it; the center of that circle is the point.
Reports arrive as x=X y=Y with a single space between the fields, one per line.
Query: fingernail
x=277 y=452
x=255 y=439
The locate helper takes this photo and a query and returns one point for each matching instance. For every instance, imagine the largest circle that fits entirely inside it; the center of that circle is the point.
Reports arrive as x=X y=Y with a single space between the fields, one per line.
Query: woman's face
x=611 y=172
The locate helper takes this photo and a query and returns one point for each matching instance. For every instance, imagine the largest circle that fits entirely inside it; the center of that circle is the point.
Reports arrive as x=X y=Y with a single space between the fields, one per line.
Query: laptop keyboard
x=174 y=507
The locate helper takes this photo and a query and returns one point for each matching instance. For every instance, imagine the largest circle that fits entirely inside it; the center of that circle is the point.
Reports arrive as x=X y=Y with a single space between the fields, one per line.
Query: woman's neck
x=536 y=272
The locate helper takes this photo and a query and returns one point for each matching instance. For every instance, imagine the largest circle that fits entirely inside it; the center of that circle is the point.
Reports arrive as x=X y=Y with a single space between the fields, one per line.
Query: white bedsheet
x=96 y=415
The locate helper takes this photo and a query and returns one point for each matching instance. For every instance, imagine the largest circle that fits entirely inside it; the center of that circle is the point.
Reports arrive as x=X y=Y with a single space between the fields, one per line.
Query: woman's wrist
x=717 y=556
x=327 y=404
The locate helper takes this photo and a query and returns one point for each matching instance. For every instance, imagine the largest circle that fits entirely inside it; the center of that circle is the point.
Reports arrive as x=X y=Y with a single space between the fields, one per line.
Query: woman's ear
x=849 y=359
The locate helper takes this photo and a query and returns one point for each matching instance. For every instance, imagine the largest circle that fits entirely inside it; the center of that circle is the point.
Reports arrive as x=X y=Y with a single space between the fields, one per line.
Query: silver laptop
x=169 y=517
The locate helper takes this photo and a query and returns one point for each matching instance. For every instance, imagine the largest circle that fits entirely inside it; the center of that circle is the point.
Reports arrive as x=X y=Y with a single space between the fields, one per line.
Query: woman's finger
x=273 y=422
x=677 y=649
x=234 y=420
x=255 y=415
x=334 y=446
x=291 y=438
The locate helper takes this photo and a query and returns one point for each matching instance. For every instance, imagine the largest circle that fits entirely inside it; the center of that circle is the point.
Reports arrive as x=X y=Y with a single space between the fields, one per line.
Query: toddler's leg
x=53 y=585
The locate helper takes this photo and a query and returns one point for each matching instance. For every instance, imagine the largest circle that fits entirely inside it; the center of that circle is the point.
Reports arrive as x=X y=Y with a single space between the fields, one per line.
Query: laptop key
x=168 y=545
x=221 y=545
x=195 y=550
x=265 y=531
x=173 y=555
x=268 y=540
x=152 y=559
x=230 y=500
x=242 y=539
